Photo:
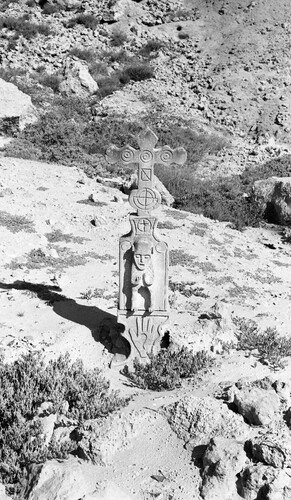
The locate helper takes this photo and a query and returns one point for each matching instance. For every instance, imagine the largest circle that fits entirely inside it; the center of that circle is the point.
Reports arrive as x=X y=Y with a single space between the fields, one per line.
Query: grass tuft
x=16 y=223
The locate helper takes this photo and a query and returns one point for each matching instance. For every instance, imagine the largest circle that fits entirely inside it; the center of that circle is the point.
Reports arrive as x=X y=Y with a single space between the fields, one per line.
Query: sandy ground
x=45 y=298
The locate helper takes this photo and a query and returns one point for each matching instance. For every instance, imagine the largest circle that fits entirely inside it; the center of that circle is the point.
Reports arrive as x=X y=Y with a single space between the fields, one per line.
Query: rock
x=253 y=481
x=273 y=448
x=67 y=480
x=287 y=417
x=77 y=79
x=108 y=490
x=264 y=482
x=117 y=198
x=197 y=420
x=3 y=495
x=5 y=191
x=44 y=409
x=48 y=425
x=273 y=197
x=217 y=325
x=101 y=439
x=280 y=488
x=16 y=109
x=222 y=461
x=257 y=401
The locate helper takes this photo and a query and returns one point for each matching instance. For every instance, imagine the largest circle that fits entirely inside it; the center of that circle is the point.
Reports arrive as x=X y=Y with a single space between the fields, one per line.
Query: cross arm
x=167 y=156
x=125 y=155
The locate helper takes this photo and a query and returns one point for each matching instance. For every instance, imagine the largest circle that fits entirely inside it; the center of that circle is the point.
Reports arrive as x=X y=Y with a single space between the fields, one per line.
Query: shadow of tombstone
x=103 y=325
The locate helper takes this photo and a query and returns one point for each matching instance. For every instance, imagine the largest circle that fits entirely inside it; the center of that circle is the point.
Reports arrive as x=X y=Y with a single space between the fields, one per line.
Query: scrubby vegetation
x=87 y=20
x=118 y=38
x=268 y=345
x=25 y=385
x=167 y=369
x=66 y=134
x=21 y=26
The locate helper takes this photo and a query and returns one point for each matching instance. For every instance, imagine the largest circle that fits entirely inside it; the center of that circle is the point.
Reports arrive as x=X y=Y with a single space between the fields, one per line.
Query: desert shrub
x=50 y=8
x=107 y=85
x=98 y=70
x=118 y=38
x=23 y=27
x=166 y=370
x=10 y=74
x=52 y=81
x=183 y=36
x=88 y=55
x=25 y=385
x=87 y=20
x=279 y=167
x=269 y=346
x=67 y=134
x=112 y=56
x=223 y=199
x=136 y=73
x=150 y=47
x=179 y=132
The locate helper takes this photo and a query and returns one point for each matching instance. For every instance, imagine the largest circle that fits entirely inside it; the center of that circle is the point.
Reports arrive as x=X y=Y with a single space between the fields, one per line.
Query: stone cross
x=143 y=258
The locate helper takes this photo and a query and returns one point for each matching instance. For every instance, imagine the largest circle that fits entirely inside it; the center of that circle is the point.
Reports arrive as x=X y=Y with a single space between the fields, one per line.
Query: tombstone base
x=144 y=331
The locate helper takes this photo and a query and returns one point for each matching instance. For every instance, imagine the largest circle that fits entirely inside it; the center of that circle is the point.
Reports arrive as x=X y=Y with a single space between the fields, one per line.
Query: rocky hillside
x=222 y=64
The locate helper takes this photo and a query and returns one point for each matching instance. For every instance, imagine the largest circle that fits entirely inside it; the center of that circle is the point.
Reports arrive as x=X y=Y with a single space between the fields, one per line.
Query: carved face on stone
x=142 y=253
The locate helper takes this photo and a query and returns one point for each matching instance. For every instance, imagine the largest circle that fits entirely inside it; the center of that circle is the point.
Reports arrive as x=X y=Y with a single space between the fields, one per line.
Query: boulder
x=197 y=420
x=253 y=481
x=280 y=488
x=77 y=79
x=72 y=480
x=67 y=480
x=274 y=448
x=3 y=495
x=264 y=482
x=99 y=440
x=16 y=109
x=257 y=401
x=273 y=196
x=222 y=461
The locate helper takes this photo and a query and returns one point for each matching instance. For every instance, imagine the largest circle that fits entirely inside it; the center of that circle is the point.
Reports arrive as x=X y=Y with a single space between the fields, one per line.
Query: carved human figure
x=142 y=272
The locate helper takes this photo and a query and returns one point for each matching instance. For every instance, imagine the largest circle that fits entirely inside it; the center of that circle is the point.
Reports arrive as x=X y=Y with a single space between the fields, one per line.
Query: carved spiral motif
x=166 y=155
x=146 y=156
x=127 y=155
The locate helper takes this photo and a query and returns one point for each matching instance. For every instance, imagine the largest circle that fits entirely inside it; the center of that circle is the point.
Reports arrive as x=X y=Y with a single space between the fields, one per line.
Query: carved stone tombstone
x=143 y=258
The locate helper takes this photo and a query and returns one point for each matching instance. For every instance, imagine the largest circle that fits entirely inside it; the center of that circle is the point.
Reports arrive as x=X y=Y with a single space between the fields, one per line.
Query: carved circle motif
x=161 y=247
x=146 y=156
x=144 y=199
x=166 y=155
x=125 y=245
x=127 y=155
